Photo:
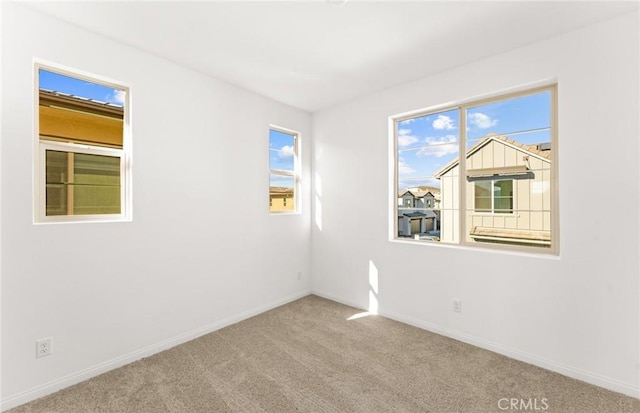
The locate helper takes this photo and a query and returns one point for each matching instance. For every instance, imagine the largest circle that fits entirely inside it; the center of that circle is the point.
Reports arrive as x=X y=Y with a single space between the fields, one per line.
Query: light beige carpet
x=308 y=357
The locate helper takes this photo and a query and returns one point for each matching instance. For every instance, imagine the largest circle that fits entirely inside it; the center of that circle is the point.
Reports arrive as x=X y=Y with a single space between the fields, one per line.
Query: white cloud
x=443 y=122
x=407 y=121
x=414 y=183
x=405 y=138
x=404 y=169
x=482 y=121
x=439 y=147
x=285 y=152
x=117 y=97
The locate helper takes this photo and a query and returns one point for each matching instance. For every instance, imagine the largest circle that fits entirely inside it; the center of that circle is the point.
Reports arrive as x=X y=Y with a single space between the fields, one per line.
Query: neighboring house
x=508 y=195
x=417 y=198
x=281 y=199
x=68 y=118
x=80 y=183
x=417 y=212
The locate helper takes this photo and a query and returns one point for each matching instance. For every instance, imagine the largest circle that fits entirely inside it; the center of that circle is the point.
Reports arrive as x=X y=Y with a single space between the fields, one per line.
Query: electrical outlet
x=44 y=347
x=299 y=275
x=457 y=305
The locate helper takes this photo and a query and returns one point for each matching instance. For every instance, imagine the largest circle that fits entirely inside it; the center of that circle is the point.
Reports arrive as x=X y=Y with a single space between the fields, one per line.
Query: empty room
x=233 y=206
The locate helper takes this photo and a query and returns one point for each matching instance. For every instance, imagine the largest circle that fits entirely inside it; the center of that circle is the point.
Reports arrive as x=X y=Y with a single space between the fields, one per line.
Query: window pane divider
x=462 y=166
x=81 y=148
x=282 y=172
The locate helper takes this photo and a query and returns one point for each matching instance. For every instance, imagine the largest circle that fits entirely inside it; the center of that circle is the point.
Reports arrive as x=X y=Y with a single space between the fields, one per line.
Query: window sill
x=466 y=246
x=92 y=220
x=280 y=213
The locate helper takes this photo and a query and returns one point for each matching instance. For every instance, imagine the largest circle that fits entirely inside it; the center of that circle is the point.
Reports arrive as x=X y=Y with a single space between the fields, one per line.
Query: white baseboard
x=82 y=375
x=337 y=299
x=572 y=372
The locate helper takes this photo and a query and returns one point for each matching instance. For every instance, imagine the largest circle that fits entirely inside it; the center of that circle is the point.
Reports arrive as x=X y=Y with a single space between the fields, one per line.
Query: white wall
x=195 y=259
x=202 y=250
x=578 y=313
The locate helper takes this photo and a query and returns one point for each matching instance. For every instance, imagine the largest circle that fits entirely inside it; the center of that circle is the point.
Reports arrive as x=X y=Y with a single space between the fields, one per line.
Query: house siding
x=532 y=194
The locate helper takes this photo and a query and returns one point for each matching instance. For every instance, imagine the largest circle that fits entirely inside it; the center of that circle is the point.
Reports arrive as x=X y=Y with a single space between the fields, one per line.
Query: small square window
x=493 y=196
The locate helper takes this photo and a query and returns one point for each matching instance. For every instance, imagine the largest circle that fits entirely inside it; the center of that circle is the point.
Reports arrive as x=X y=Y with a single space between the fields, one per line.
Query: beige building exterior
x=80 y=183
x=417 y=211
x=508 y=194
x=69 y=118
x=281 y=199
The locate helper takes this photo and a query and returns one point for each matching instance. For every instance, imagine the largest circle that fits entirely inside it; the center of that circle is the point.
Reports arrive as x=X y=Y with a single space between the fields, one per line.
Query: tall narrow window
x=424 y=144
x=82 y=159
x=283 y=170
x=500 y=194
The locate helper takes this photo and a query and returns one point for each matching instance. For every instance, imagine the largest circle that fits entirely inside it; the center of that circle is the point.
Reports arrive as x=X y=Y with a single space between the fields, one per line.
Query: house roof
x=65 y=100
x=427 y=213
x=533 y=150
x=420 y=191
x=280 y=189
x=416 y=193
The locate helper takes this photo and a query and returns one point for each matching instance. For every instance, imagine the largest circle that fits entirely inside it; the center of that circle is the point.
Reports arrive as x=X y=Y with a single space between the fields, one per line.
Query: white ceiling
x=313 y=54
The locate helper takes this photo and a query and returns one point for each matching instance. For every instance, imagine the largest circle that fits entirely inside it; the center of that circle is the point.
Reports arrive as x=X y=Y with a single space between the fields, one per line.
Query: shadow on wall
x=373 y=294
x=373 y=288
x=317 y=201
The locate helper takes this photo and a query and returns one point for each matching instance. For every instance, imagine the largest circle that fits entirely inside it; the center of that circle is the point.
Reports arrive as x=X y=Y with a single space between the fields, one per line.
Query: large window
x=500 y=194
x=284 y=166
x=81 y=165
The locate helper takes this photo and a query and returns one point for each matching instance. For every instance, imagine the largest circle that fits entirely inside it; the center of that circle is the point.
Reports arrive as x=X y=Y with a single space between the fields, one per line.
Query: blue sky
x=427 y=143
x=281 y=146
x=78 y=87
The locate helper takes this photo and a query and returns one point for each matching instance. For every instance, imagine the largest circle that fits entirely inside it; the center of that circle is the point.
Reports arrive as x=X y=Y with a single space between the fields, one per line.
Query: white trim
x=85 y=374
x=341 y=300
x=462 y=173
x=283 y=172
x=566 y=370
x=392 y=169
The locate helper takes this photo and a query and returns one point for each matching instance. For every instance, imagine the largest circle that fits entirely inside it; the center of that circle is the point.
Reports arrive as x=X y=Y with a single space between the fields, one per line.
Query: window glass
x=281 y=148
x=503 y=196
x=505 y=178
x=483 y=196
x=509 y=150
x=283 y=166
x=82 y=184
x=425 y=144
x=81 y=134
x=281 y=193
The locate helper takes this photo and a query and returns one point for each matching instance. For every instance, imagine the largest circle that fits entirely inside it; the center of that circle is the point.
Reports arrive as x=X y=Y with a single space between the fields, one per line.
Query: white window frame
x=41 y=146
x=463 y=105
x=295 y=173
